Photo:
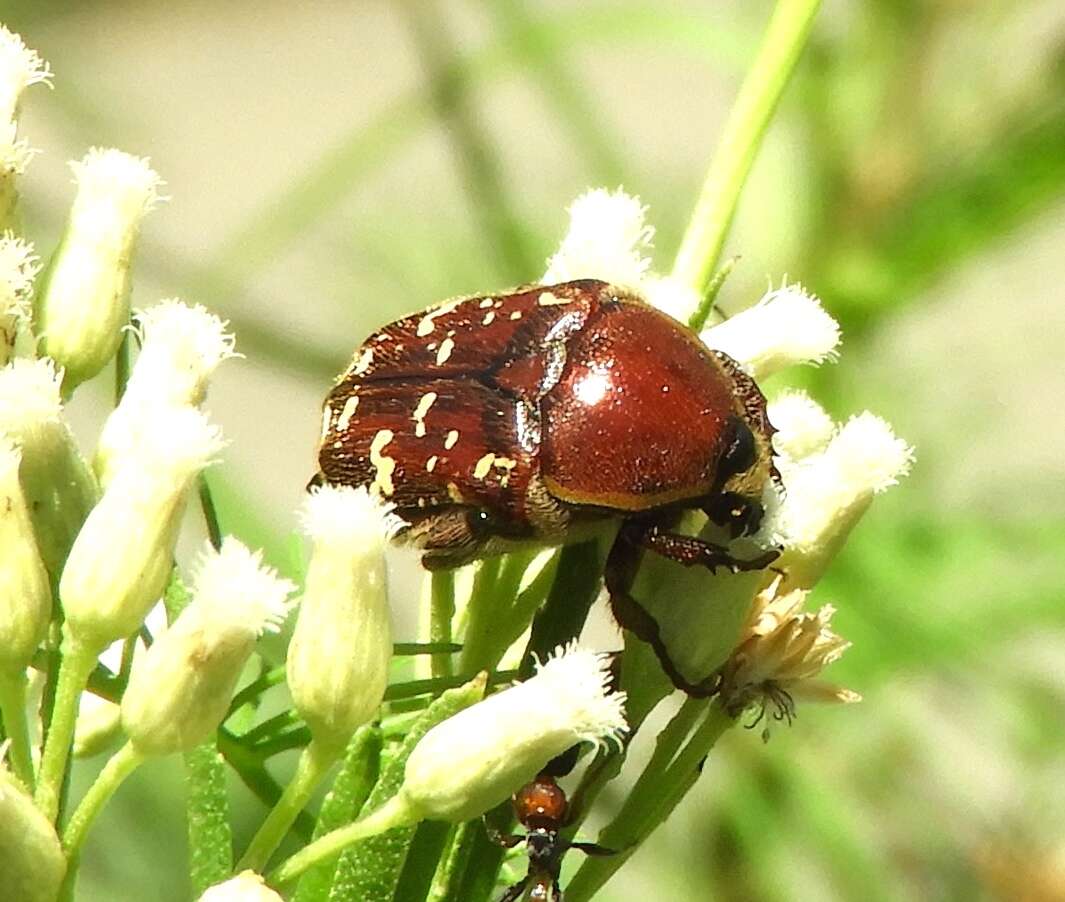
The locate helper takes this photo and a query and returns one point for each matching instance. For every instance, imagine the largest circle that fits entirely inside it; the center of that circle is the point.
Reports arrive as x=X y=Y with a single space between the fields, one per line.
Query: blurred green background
x=333 y=165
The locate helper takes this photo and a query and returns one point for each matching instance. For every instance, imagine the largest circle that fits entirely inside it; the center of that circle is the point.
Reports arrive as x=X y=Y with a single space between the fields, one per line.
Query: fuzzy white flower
x=828 y=493
x=20 y=67
x=245 y=887
x=803 y=426
x=18 y=267
x=786 y=327
x=180 y=688
x=482 y=755
x=57 y=482
x=82 y=304
x=121 y=559
x=181 y=348
x=782 y=651
x=340 y=652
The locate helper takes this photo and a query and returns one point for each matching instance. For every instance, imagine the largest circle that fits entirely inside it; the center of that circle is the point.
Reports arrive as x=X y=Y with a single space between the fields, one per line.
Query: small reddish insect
x=542 y=809
x=546 y=415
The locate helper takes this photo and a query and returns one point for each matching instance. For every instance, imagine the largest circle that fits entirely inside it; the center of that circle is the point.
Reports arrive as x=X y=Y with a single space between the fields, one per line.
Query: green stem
x=13 y=710
x=396 y=812
x=704 y=239
x=314 y=763
x=121 y=765
x=76 y=664
x=657 y=792
x=441 y=613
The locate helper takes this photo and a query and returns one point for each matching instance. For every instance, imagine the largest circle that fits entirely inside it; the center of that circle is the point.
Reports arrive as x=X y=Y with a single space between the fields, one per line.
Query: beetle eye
x=481 y=522
x=740 y=455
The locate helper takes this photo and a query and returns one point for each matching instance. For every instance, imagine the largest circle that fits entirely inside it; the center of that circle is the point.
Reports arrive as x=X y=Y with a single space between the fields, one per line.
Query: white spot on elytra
x=426 y=324
x=482 y=466
x=488 y=317
x=506 y=464
x=430 y=464
x=364 y=361
x=420 y=411
x=327 y=416
x=384 y=465
x=446 y=347
x=516 y=314
x=486 y=303
x=547 y=299
x=347 y=412
x=452 y=438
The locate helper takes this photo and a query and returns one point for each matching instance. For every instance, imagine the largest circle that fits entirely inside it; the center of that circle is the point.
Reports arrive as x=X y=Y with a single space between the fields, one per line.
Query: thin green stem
x=656 y=793
x=704 y=239
x=314 y=764
x=394 y=813
x=121 y=765
x=13 y=710
x=76 y=664
x=441 y=614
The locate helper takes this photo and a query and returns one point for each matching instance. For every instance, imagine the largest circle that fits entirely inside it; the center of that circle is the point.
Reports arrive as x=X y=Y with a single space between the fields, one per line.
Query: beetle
x=546 y=415
x=541 y=807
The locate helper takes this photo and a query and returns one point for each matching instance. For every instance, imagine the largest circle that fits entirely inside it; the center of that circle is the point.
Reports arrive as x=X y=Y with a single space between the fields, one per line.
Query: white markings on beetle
x=420 y=411
x=516 y=314
x=384 y=466
x=452 y=438
x=481 y=468
x=347 y=413
x=426 y=324
x=446 y=347
x=327 y=419
x=488 y=317
x=430 y=464
x=506 y=464
x=486 y=303
x=364 y=361
x=547 y=299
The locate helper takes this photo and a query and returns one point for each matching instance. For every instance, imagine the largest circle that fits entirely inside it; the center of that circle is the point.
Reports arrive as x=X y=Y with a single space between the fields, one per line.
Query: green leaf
x=370 y=869
x=342 y=804
x=207 y=814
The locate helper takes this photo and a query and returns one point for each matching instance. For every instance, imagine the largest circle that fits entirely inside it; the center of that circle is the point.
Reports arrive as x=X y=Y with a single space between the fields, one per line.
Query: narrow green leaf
x=426 y=848
x=207 y=816
x=370 y=869
x=342 y=804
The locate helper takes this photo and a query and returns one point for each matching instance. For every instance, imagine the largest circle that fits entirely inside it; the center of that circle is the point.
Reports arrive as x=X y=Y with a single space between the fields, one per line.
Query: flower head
x=18 y=267
x=782 y=651
x=340 y=652
x=181 y=348
x=108 y=586
x=482 y=755
x=31 y=859
x=82 y=304
x=803 y=426
x=786 y=327
x=20 y=67
x=180 y=688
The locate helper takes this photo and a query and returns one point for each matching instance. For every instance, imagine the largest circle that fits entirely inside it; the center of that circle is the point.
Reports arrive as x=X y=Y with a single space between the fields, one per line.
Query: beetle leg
x=592 y=848
x=515 y=891
x=621 y=565
x=690 y=550
x=506 y=840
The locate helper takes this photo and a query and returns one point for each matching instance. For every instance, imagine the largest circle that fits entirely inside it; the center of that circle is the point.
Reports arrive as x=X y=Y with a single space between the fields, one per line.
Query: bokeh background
x=334 y=165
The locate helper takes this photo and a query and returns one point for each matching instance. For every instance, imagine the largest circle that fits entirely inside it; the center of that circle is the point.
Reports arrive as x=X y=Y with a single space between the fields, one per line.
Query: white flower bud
x=180 y=688
x=828 y=493
x=607 y=239
x=18 y=267
x=803 y=426
x=121 y=559
x=82 y=304
x=20 y=67
x=31 y=859
x=25 y=596
x=339 y=656
x=181 y=347
x=58 y=485
x=482 y=755
x=786 y=327
x=670 y=296
x=245 y=887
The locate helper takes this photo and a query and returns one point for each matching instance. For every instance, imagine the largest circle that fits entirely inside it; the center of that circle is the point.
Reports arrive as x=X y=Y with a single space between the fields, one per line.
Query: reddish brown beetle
x=544 y=415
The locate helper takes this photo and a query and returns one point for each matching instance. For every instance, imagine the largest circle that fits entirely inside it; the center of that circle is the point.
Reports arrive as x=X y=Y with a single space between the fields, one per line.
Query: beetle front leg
x=621 y=566
x=690 y=550
x=515 y=891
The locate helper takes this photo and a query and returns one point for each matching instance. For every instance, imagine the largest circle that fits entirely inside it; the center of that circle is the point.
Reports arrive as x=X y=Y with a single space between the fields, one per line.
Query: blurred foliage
x=919 y=136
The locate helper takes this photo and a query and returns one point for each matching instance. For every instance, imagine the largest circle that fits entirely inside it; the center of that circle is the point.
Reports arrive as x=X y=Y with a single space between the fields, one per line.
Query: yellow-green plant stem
x=13 y=710
x=76 y=663
x=704 y=238
x=441 y=615
x=314 y=764
x=396 y=812
x=657 y=792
